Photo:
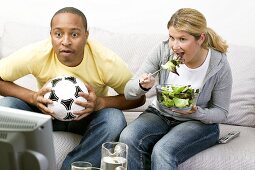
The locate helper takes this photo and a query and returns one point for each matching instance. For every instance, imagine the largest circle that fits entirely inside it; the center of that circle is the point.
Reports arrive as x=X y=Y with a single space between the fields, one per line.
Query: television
x=26 y=141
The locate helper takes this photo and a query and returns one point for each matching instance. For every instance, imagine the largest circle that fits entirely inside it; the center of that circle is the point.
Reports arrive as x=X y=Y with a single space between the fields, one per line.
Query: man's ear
x=87 y=34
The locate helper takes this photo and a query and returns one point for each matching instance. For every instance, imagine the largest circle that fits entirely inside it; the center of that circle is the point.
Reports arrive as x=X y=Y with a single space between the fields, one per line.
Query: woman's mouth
x=179 y=56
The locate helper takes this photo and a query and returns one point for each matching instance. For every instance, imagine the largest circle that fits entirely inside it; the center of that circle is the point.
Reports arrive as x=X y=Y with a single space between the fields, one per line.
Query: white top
x=188 y=76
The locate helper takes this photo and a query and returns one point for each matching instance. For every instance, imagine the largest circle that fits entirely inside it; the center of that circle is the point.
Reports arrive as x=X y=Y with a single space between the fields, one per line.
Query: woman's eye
x=182 y=39
x=171 y=38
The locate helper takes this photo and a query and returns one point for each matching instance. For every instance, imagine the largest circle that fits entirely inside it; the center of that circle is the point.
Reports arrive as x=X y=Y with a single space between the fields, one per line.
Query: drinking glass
x=114 y=156
x=80 y=165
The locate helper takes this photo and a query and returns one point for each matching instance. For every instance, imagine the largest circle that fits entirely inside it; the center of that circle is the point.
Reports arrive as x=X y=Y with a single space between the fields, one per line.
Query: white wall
x=234 y=20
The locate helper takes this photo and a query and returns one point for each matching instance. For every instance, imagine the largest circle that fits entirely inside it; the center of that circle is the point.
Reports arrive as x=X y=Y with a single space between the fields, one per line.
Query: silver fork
x=161 y=68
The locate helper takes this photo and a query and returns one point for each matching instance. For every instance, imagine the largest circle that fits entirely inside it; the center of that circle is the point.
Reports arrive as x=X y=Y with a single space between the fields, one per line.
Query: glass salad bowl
x=176 y=97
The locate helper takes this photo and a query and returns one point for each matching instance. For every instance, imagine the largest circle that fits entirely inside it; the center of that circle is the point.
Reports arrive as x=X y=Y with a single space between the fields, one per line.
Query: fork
x=161 y=68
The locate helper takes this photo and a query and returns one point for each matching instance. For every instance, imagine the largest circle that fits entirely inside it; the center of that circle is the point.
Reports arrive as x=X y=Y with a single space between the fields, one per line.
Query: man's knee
x=15 y=103
x=10 y=102
x=115 y=119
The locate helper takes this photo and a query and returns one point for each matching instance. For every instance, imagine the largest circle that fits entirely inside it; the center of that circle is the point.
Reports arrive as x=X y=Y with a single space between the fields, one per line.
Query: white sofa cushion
x=16 y=35
x=242 y=107
x=238 y=154
x=64 y=142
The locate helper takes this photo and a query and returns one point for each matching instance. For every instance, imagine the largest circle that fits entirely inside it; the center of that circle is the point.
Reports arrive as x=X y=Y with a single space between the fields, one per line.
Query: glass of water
x=81 y=165
x=114 y=156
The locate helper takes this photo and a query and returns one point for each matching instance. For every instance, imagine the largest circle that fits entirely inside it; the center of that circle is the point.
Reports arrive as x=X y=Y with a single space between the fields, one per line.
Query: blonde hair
x=194 y=23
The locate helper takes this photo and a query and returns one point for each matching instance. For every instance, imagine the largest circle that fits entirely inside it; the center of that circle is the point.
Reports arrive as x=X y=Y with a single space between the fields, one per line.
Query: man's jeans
x=101 y=126
x=160 y=143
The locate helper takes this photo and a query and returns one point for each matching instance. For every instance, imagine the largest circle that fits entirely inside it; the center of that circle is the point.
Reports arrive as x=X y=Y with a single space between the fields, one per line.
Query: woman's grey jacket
x=214 y=97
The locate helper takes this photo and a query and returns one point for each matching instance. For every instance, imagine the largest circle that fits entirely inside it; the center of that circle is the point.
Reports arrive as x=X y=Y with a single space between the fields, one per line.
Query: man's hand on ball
x=90 y=105
x=40 y=102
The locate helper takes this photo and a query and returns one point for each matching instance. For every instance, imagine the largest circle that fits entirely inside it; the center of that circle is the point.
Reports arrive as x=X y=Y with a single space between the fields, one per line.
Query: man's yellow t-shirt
x=100 y=67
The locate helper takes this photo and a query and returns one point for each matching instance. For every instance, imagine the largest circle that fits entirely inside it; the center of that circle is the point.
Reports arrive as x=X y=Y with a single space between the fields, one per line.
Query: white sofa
x=235 y=155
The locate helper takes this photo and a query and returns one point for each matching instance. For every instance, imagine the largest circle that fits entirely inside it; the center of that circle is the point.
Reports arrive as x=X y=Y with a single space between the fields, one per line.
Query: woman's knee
x=130 y=135
x=162 y=154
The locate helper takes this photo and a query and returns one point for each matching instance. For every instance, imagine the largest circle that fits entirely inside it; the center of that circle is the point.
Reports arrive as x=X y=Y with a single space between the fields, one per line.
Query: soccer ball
x=64 y=91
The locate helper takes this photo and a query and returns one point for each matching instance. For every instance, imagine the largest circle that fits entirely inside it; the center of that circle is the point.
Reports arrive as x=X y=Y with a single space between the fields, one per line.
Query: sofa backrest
x=133 y=48
x=242 y=107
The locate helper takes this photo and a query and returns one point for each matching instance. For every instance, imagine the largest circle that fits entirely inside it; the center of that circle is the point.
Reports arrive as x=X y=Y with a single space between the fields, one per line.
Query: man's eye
x=74 y=34
x=58 y=34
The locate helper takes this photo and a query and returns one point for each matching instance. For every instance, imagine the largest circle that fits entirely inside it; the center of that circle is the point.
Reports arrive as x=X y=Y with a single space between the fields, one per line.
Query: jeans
x=102 y=126
x=157 y=142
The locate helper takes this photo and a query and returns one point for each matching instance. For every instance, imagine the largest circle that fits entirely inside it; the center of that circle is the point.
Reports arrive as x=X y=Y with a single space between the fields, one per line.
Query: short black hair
x=73 y=11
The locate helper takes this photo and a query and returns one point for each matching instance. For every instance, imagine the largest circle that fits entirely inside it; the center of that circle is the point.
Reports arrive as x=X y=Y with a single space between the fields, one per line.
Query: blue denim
x=101 y=126
x=160 y=143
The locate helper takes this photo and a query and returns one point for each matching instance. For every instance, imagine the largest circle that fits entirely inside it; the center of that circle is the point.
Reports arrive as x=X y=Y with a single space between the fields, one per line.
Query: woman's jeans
x=160 y=143
x=101 y=126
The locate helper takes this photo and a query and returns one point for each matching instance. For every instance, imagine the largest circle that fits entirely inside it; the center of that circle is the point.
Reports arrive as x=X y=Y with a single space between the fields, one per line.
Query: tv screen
x=26 y=141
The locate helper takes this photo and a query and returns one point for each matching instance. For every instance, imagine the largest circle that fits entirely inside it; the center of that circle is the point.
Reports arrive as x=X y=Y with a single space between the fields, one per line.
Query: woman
x=163 y=138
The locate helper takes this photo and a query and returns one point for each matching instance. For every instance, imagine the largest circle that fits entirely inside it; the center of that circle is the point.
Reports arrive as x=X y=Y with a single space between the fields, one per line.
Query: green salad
x=176 y=96
x=172 y=66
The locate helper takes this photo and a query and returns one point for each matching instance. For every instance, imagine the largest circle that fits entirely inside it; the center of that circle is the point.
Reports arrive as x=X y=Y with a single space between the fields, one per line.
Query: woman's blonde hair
x=194 y=23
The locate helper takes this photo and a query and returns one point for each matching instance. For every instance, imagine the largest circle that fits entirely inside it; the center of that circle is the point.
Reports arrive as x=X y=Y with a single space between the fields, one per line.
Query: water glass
x=81 y=165
x=114 y=156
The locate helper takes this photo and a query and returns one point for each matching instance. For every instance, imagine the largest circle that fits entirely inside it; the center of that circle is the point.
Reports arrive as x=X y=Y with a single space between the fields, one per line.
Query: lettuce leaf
x=177 y=96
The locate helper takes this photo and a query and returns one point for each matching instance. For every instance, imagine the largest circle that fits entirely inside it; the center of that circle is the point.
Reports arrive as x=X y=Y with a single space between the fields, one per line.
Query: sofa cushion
x=242 y=107
x=16 y=35
x=238 y=154
x=64 y=142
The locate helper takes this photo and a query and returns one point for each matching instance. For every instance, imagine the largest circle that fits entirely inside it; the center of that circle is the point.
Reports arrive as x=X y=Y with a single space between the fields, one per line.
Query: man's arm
x=95 y=103
x=120 y=102
x=34 y=98
x=11 y=89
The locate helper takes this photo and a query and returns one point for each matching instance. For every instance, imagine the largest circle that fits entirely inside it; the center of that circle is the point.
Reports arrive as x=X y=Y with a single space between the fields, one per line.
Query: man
x=69 y=51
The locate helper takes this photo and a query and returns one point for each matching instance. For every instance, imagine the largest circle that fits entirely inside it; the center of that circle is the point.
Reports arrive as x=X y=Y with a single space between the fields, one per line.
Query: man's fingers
x=82 y=116
x=43 y=91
